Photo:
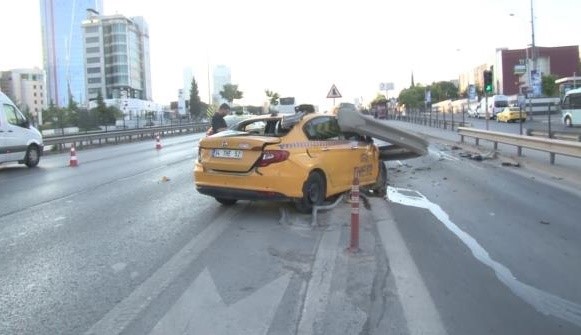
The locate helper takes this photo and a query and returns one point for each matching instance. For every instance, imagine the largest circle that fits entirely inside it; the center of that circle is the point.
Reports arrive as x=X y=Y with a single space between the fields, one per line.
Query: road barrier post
x=157 y=143
x=354 y=243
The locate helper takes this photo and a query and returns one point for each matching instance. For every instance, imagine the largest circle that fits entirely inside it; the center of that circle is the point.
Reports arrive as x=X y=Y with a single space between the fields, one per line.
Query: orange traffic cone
x=157 y=143
x=73 y=160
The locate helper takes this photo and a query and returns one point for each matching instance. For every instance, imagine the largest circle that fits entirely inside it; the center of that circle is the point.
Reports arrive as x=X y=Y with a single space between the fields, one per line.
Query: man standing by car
x=218 y=123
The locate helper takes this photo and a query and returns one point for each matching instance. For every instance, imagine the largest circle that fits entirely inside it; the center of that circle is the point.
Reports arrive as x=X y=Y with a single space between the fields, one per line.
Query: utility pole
x=534 y=48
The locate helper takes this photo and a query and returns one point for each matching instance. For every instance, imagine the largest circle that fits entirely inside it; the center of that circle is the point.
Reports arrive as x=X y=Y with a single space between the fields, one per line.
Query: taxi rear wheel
x=314 y=191
x=226 y=202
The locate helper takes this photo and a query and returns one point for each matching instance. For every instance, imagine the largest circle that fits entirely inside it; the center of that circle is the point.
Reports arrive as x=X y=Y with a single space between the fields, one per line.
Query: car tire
x=314 y=191
x=32 y=157
x=380 y=187
x=226 y=202
x=568 y=122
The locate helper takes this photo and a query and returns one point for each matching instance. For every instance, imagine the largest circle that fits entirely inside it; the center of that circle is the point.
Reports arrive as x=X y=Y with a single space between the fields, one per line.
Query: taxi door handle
x=324 y=149
x=355 y=147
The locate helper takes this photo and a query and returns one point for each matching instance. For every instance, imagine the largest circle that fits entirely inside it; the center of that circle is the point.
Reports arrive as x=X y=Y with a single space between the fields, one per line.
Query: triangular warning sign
x=334 y=92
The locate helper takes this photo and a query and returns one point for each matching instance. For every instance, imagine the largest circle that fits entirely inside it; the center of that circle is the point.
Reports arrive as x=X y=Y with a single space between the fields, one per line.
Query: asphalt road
x=123 y=244
x=497 y=248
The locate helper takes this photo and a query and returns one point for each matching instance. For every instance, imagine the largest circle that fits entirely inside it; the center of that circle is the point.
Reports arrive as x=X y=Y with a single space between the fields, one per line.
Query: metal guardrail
x=437 y=120
x=552 y=146
x=80 y=140
x=560 y=135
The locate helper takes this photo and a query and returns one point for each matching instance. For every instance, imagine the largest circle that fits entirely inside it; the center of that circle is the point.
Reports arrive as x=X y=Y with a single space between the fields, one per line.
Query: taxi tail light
x=272 y=156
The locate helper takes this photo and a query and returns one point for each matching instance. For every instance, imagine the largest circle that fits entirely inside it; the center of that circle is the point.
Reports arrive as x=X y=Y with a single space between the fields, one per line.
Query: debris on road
x=544 y=222
x=513 y=164
x=165 y=179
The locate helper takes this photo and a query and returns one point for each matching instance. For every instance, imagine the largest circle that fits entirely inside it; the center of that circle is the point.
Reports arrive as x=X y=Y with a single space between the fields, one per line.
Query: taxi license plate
x=227 y=153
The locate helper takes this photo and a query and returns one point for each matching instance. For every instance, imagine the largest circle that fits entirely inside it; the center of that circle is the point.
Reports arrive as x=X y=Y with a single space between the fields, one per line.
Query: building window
x=34 y=93
x=94 y=80
x=41 y=102
x=36 y=109
x=35 y=102
x=34 y=87
x=24 y=76
x=34 y=77
x=91 y=50
x=93 y=70
x=92 y=29
x=92 y=39
x=92 y=60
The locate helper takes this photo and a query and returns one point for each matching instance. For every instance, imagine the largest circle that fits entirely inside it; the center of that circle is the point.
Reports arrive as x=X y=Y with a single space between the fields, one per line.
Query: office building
x=222 y=76
x=512 y=68
x=116 y=57
x=26 y=87
x=62 y=42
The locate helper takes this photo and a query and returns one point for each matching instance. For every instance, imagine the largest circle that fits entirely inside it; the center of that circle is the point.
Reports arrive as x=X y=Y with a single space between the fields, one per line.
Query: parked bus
x=571 y=108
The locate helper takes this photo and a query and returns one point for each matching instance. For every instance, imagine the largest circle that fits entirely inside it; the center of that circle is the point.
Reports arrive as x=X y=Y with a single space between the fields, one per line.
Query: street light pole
x=534 y=49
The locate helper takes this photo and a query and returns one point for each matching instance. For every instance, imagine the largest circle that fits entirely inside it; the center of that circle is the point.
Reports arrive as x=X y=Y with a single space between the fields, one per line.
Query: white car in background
x=19 y=141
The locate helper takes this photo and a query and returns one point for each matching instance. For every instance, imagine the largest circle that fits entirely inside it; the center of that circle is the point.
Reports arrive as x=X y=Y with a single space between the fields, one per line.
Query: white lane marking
x=419 y=309
x=117 y=319
x=317 y=295
x=60 y=218
x=200 y=310
x=544 y=302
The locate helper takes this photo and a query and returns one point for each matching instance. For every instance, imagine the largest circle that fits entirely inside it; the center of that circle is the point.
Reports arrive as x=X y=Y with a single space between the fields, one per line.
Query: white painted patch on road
x=201 y=310
x=60 y=218
x=544 y=302
x=125 y=312
x=442 y=155
x=319 y=285
x=420 y=312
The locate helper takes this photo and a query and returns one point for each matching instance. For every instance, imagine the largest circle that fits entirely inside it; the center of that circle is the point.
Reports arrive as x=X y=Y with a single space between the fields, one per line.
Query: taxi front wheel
x=313 y=193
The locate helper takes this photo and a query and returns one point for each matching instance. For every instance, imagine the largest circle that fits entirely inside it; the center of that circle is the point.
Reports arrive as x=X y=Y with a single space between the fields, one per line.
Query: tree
x=272 y=96
x=443 y=90
x=105 y=115
x=230 y=93
x=71 y=117
x=412 y=97
x=195 y=102
x=549 y=86
x=379 y=98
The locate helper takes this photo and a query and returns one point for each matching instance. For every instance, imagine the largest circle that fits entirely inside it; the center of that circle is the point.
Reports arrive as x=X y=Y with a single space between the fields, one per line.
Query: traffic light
x=488 y=81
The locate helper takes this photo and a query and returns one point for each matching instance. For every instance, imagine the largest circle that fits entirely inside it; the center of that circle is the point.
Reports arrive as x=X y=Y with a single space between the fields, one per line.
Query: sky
x=301 y=48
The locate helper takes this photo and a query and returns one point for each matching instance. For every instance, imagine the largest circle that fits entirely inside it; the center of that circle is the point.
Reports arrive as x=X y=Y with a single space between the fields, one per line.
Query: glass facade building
x=62 y=40
x=116 y=52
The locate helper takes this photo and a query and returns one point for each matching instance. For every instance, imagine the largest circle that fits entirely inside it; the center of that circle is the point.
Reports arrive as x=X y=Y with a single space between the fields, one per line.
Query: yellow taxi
x=306 y=158
x=510 y=114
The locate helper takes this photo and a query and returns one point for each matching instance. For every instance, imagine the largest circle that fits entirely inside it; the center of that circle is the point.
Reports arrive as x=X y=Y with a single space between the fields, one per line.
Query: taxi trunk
x=238 y=154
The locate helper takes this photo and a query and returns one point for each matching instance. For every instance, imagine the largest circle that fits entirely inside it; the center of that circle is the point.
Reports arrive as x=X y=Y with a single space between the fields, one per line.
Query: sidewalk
x=566 y=170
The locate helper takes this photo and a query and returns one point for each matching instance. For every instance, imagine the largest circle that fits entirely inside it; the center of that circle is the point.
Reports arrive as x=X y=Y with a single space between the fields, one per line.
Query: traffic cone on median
x=73 y=160
x=157 y=143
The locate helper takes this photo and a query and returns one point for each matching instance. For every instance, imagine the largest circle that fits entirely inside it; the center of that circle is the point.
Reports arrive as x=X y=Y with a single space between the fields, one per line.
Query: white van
x=19 y=141
x=571 y=108
x=496 y=104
